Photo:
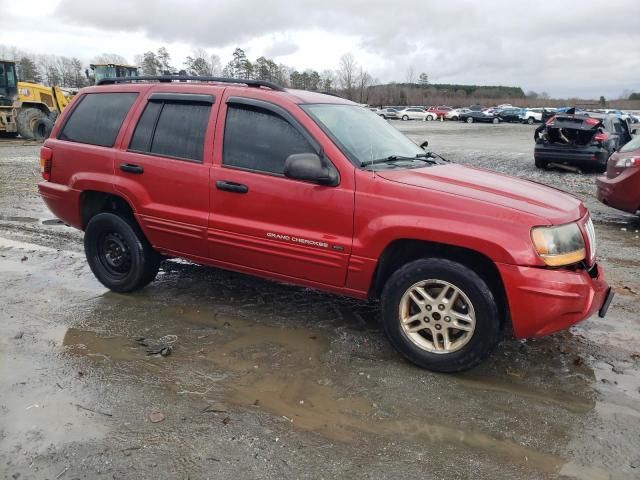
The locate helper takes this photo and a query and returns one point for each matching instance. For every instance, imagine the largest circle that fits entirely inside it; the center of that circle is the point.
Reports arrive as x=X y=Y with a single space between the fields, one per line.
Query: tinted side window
x=141 y=140
x=97 y=119
x=172 y=129
x=257 y=139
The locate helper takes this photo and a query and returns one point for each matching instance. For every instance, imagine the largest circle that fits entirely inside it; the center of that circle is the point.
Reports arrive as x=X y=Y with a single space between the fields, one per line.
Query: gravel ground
x=267 y=380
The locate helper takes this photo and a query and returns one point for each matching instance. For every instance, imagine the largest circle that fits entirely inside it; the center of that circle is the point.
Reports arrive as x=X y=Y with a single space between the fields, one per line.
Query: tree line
x=350 y=79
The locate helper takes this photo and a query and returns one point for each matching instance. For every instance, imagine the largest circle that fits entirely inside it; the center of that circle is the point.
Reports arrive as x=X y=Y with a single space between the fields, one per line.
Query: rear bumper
x=543 y=301
x=63 y=202
x=582 y=156
x=621 y=192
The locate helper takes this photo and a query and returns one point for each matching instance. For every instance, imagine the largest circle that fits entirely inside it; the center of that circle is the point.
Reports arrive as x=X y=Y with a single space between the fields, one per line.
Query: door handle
x=128 y=167
x=231 y=186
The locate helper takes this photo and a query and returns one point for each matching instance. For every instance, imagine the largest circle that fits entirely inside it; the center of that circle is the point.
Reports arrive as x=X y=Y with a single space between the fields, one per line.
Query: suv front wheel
x=119 y=254
x=440 y=315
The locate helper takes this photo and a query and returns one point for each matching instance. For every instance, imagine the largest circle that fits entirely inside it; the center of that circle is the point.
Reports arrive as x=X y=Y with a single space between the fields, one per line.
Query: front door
x=266 y=222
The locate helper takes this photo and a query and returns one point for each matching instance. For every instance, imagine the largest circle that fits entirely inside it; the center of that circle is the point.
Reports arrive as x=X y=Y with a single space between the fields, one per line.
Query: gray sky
x=565 y=47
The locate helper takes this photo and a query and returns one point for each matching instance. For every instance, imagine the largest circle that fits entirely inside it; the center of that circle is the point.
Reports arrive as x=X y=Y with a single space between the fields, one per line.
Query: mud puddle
x=282 y=371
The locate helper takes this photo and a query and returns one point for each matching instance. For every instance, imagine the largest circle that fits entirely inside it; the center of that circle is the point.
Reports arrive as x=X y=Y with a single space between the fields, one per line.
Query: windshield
x=104 y=71
x=362 y=135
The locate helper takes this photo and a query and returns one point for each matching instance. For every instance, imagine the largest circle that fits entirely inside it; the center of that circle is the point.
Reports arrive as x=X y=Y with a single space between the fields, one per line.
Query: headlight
x=561 y=245
x=626 y=162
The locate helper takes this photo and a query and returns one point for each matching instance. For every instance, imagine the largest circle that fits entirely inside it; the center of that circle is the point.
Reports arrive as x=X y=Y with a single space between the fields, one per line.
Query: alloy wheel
x=437 y=316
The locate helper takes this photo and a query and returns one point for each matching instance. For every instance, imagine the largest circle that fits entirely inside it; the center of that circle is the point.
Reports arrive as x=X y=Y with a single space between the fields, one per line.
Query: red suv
x=318 y=191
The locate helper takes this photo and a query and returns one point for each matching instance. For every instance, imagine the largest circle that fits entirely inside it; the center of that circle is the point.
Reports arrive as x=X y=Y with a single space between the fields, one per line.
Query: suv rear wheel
x=440 y=315
x=119 y=254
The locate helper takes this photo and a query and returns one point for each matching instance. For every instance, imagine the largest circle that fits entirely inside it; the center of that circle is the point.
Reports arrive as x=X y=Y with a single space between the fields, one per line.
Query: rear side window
x=97 y=119
x=258 y=139
x=172 y=129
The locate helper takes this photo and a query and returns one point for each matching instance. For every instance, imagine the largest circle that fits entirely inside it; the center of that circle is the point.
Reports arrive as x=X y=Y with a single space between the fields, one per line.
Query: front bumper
x=543 y=301
x=621 y=192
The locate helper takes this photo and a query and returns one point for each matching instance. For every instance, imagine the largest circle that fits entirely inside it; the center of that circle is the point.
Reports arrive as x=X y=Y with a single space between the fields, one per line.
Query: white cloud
x=573 y=47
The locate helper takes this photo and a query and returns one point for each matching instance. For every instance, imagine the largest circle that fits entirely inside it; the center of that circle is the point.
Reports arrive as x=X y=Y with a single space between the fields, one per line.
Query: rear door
x=163 y=168
x=266 y=222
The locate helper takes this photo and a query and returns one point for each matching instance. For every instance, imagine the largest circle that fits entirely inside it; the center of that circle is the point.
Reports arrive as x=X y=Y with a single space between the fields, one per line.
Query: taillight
x=600 y=137
x=46 y=161
x=592 y=121
x=628 y=162
x=551 y=120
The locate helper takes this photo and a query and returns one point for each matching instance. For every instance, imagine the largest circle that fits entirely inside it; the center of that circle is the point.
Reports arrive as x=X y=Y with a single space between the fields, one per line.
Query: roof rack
x=181 y=78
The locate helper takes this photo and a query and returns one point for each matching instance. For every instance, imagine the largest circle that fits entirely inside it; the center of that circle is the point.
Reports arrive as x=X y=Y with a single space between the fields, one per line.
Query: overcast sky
x=565 y=47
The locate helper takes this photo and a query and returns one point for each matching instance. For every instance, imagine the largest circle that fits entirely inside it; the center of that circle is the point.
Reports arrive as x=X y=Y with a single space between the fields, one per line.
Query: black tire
x=487 y=330
x=26 y=121
x=495 y=120
x=430 y=118
x=405 y=118
x=454 y=118
x=541 y=163
x=469 y=120
x=531 y=120
x=119 y=254
x=42 y=129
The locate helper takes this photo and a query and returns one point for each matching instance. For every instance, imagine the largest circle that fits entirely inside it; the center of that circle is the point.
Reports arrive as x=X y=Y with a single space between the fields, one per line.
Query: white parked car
x=415 y=113
x=455 y=113
x=532 y=115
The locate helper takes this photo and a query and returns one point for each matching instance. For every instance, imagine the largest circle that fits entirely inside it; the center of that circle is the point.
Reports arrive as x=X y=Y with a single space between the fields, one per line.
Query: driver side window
x=259 y=140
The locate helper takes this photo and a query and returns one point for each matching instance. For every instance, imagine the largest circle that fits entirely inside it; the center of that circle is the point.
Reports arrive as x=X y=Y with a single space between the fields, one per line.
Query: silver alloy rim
x=437 y=316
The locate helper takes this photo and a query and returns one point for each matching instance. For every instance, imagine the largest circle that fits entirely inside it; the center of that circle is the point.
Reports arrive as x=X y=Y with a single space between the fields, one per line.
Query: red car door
x=265 y=222
x=163 y=168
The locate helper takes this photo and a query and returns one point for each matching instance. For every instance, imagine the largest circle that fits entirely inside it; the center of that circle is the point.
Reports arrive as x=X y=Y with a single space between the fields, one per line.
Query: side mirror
x=424 y=145
x=309 y=167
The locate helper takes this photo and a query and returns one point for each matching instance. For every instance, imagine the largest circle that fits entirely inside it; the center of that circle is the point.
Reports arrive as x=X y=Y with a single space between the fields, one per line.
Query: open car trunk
x=575 y=131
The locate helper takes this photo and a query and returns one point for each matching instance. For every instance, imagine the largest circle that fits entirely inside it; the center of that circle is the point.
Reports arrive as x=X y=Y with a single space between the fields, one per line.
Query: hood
x=474 y=183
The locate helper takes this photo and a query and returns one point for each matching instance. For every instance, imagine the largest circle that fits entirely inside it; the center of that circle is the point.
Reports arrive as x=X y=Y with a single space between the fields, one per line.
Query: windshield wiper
x=424 y=157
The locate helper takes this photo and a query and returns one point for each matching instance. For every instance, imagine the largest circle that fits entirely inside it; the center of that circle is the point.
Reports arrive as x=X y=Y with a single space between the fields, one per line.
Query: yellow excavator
x=28 y=109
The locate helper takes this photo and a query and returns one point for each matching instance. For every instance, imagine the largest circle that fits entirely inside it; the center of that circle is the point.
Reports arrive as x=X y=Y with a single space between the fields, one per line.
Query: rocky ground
x=266 y=380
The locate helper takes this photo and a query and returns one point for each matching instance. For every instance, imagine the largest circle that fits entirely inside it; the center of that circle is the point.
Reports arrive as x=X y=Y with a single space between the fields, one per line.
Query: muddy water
x=282 y=370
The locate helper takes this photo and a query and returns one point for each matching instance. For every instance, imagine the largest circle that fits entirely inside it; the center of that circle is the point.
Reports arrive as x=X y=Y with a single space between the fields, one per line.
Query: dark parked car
x=475 y=116
x=510 y=115
x=620 y=187
x=579 y=140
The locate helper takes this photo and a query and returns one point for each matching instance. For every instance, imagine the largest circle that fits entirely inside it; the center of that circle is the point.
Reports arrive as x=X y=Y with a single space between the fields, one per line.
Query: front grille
x=591 y=235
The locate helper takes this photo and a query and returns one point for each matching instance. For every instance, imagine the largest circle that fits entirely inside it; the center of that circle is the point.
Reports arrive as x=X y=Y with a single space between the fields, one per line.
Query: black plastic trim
x=182 y=98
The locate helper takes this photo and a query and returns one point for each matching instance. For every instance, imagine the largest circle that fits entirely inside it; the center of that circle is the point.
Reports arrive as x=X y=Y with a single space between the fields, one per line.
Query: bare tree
x=411 y=75
x=346 y=73
x=109 y=58
x=327 y=80
x=364 y=81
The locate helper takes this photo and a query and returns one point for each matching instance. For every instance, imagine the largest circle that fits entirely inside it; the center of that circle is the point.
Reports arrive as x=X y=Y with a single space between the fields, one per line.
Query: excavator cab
x=112 y=70
x=8 y=83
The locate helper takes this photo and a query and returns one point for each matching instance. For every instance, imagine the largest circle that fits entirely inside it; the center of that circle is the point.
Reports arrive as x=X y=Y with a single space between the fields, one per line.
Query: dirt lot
x=272 y=381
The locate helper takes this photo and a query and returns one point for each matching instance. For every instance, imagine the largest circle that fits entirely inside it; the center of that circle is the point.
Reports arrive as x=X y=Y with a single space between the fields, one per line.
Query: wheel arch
x=37 y=105
x=402 y=251
x=93 y=202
